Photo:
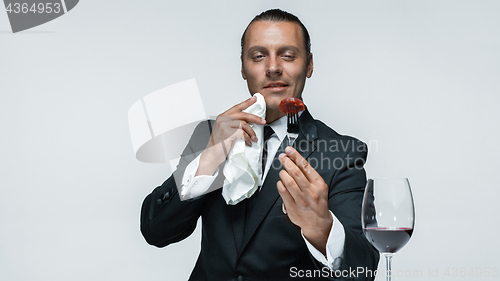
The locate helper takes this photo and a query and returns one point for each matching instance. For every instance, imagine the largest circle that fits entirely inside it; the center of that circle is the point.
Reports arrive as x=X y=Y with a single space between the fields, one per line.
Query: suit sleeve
x=165 y=218
x=345 y=200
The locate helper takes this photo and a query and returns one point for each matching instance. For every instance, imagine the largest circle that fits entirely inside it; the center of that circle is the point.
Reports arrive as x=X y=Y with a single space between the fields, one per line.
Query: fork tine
x=292 y=126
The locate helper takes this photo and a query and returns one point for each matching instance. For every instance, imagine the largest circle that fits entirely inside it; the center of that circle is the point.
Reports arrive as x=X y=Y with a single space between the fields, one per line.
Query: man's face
x=274 y=62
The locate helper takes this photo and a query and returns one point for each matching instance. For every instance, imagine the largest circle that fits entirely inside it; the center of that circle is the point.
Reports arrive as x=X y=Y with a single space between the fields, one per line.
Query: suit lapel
x=238 y=222
x=265 y=200
x=269 y=193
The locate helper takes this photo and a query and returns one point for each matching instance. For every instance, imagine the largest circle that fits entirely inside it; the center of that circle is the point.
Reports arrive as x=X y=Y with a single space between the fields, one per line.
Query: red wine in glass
x=387 y=239
x=388 y=216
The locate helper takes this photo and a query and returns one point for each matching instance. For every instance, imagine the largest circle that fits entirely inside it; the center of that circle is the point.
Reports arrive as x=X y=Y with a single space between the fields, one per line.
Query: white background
x=417 y=80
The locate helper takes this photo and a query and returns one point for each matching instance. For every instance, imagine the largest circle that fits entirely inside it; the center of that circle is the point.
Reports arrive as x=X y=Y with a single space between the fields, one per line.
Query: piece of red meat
x=291 y=105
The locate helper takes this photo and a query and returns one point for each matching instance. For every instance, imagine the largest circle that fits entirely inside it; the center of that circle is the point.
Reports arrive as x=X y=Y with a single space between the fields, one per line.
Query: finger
x=285 y=195
x=294 y=171
x=234 y=128
x=292 y=188
x=236 y=124
x=309 y=172
x=249 y=117
x=228 y=127
x=241 y=134
x=242 y=106
x=248 y=139
x=249 y=131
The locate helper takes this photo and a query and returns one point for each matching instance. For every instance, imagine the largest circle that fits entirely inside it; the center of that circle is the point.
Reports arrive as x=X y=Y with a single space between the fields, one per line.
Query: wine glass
x=388 y=216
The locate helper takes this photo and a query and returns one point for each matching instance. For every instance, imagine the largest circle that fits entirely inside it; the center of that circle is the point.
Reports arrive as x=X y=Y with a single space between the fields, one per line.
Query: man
x=305 y=219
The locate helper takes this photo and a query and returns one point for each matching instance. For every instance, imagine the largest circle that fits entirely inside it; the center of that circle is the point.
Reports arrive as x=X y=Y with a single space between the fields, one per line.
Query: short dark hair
x=277 y=15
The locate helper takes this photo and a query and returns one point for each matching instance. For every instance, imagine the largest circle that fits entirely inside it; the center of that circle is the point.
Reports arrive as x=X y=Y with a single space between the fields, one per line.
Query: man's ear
x=310 y=66
x=243 y=73
x=243 y=70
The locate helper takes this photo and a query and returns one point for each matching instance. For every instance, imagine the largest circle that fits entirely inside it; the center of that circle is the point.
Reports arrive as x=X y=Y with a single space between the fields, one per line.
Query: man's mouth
x=278 y=86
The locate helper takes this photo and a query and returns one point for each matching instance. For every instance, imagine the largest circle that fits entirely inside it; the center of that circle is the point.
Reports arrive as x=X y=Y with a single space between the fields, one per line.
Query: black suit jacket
x=264 y=244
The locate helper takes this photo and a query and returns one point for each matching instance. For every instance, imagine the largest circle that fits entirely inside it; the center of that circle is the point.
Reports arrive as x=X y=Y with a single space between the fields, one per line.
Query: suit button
x=241 y=278
x=167 y=195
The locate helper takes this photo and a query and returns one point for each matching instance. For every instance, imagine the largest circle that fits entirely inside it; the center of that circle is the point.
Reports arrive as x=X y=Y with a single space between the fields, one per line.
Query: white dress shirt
x=195 y=186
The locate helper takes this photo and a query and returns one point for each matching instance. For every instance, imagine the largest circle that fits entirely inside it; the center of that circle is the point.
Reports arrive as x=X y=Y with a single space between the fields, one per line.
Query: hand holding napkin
x=243 y=171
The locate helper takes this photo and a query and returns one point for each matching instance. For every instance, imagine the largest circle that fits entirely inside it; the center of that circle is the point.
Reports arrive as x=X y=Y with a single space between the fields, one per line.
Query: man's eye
x=257 y=57
x=288 y=57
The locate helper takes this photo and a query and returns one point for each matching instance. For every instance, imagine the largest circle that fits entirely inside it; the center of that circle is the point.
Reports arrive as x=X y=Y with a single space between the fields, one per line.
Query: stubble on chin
x=272 y=106
x=273 y=112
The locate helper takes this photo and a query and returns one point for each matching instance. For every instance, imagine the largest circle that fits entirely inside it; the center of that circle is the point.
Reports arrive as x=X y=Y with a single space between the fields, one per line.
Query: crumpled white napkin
x=243 y=169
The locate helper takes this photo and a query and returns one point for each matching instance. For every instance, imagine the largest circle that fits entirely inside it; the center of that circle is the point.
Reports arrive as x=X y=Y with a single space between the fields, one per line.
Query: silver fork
x=292 y=126
x=292 y=132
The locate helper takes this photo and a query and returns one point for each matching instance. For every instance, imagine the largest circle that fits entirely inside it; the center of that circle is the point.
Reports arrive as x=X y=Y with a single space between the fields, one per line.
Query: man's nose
x=273 y=66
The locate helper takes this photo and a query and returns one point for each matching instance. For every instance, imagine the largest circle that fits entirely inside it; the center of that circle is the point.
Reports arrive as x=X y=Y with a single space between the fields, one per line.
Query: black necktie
x=250 y=202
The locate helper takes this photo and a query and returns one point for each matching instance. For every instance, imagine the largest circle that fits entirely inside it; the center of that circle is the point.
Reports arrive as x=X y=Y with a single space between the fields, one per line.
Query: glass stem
x=388 y=265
